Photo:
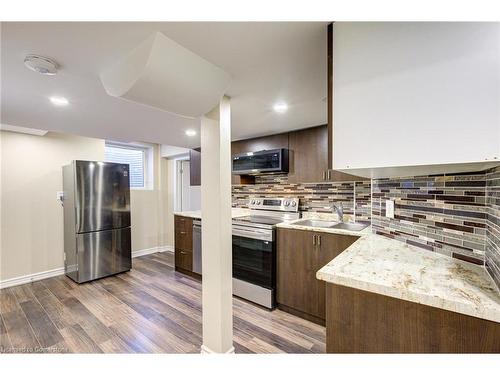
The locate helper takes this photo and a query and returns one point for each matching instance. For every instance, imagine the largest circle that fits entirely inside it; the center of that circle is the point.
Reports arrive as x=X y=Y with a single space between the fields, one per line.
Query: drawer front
x=184 y=259
x=182 y=222
x=183 y=233
x=184 y=240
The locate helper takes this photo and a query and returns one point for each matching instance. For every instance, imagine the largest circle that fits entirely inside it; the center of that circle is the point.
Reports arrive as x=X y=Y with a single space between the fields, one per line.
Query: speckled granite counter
x=236 y=212
x=365 y=232
x=392 y=268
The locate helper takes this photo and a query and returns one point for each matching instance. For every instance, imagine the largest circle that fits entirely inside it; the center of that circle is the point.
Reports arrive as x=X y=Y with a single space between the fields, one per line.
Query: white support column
x=217 y=286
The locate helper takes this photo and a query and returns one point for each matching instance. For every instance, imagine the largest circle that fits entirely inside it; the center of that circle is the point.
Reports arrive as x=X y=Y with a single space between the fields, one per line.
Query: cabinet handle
x=183 y=232
x=319 y=240
x=183 y=252
x=314 y=240
x=329 y=175
x=324 y=175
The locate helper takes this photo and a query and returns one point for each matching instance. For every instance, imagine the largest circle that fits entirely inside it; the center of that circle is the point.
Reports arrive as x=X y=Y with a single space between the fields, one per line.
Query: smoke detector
x=40 y=64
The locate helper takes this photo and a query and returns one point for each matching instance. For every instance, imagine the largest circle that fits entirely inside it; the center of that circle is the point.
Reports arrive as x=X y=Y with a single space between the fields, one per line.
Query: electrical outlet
x=389 y=208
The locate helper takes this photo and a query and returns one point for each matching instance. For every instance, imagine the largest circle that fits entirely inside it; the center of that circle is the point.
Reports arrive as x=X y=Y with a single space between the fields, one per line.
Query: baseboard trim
x=152 y=250
x=206 y=350
x=20 y=280
x=31 y=278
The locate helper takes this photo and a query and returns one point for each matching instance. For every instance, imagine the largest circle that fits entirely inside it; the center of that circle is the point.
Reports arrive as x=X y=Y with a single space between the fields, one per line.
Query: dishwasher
x=197 y=246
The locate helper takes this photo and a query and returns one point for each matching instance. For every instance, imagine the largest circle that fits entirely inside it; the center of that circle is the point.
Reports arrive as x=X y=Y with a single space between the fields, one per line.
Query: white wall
x=31 y=217
x=415 y=93
x=167 y=151
x=148 y=209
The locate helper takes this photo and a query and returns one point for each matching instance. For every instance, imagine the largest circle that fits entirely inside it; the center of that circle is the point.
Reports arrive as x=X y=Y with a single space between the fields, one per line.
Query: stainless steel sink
x=355 y=227
x=316 y=223
x=350 y=226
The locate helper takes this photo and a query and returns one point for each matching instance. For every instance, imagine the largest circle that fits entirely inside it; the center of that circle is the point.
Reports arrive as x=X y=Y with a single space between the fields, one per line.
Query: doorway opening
x=187 y=197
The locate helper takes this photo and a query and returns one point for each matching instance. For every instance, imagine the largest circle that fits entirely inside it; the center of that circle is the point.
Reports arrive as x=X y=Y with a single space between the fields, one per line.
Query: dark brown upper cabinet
x=183 y=243
x=195 y=167
x=308 y=155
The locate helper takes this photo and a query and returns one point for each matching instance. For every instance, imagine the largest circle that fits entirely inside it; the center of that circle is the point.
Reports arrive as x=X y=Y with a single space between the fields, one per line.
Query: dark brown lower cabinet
x=300 y=254
x=363 y=322
x=183 y=260
x=183 y=244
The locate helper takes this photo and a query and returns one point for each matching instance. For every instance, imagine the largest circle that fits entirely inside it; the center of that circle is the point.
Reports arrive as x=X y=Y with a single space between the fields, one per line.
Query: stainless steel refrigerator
x=96 y=219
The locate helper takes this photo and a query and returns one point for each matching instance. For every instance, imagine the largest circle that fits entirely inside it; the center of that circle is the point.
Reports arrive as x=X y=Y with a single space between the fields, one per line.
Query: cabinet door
x=329 y=246
x=269 y=142
x=405 y=109
x=184 y=260
x=237 y=148
x=183 y=233
x=195 y=167
x=297 y=286
x=183 y=242
x=308 y=155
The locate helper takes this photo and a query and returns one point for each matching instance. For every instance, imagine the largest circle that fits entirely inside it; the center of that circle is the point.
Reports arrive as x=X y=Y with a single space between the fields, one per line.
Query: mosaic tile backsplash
x=442 y=213
x=453 y=214
x=492 y=256
x=314 y=197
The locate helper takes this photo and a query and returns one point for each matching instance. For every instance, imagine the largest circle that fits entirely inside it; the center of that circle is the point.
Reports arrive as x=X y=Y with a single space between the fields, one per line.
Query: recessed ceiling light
x=58 y=101
x=190 y=133
x=41 y=64
x=280 y=107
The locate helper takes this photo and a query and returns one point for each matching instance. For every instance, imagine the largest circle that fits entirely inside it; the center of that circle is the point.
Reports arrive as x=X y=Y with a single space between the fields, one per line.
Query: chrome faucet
x=339 y=209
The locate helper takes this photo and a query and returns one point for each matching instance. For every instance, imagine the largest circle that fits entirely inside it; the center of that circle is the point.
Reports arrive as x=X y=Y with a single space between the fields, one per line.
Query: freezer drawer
x=102 y=253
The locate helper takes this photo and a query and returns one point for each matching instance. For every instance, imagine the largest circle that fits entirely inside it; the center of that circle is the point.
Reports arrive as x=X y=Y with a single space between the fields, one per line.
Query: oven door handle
x=252 y=234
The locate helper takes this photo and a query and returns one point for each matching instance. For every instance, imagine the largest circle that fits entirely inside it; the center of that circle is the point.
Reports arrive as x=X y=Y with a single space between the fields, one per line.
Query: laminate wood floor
x=151 y=309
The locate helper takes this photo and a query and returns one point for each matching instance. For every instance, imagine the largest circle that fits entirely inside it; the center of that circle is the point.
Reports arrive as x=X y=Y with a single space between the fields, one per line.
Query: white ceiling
x=268 y=62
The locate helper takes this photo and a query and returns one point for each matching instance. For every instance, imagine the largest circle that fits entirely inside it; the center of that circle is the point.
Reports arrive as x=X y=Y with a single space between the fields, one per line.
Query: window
x=134 y=156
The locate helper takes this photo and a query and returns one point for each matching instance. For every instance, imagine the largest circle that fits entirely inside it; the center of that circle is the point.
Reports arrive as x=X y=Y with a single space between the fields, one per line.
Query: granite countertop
x=393 y=268
x=236 y=212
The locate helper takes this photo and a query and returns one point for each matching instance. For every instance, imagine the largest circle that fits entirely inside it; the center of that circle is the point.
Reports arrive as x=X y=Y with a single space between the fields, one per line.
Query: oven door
x=254 y=261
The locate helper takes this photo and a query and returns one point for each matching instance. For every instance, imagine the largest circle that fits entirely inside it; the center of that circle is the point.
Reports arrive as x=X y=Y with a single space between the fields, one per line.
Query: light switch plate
x=60 y=196
x=389 y=208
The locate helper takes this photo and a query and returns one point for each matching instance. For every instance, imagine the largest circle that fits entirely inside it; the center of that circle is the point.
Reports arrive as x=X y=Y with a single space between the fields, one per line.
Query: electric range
x=254 y=248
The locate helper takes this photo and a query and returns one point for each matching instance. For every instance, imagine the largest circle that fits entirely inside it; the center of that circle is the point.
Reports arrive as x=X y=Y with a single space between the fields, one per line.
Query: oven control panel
x=274 y=204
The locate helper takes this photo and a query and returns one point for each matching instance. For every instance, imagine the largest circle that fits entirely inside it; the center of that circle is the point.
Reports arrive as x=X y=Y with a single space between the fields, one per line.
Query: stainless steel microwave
x=268 y=161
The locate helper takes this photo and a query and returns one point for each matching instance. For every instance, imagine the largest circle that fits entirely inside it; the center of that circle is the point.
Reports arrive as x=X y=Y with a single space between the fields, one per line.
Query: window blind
x=134 y=157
